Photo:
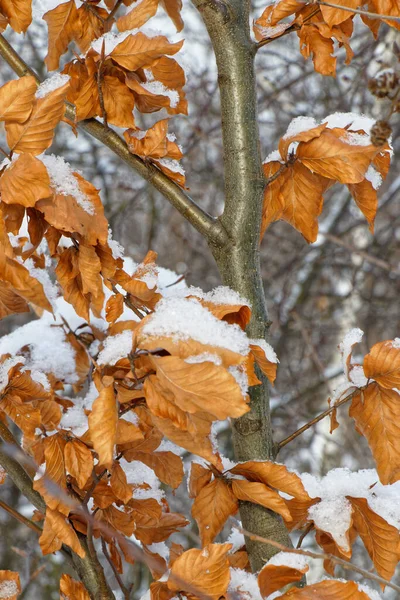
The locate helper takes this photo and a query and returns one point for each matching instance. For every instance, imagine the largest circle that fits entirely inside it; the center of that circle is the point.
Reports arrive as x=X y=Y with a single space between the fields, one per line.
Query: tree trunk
x=238 y=259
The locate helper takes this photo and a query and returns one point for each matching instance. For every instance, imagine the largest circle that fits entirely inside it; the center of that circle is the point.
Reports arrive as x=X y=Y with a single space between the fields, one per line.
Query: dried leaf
x=274 y=577
x=267 y=367
x=62 y=22
x=103 y=425
x=118 y=102
x=376 y=412
x=327 y=590
x=72 y=589
x=138 y=51
x=199 y=477
x=383 y=364
x=18 y=13
x=119 y=484
x=259 y=493
x=78 y=461
x=17 y=98
x=274 y=475
x=138 y=16
x=213 y=505
x=10 y=584
x=25 y=181
x=62 y=531
x=10 y=302
x=197 y=571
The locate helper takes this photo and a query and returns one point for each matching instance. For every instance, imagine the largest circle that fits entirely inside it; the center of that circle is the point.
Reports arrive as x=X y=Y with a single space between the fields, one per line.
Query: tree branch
x=316 y=420
x=324 y=556
x=208 y=226
x=24 y=520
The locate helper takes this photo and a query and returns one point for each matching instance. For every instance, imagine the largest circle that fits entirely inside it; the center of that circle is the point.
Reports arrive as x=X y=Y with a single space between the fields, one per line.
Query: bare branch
x=24 y=520
x=365 y=13
x=323 y=556
x=208 y=226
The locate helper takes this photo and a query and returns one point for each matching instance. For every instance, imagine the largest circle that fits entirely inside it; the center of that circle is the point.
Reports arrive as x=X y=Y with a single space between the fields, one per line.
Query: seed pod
x=384 y=84
x=380 y=133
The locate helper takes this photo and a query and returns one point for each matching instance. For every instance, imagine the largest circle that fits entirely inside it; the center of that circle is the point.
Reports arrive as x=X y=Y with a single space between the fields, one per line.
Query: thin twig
x=209 y=226
x=316 y=420
x=322 y=556
x=269 y=180
x=117 y=576
x=114 y=10
x=14 y=513
x=358 y=11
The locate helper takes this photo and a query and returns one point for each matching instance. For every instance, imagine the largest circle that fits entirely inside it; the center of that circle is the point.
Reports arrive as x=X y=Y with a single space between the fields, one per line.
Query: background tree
x=234 y=237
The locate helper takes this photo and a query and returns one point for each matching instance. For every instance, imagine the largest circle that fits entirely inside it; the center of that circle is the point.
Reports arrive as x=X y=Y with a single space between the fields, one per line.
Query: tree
x=177 y=364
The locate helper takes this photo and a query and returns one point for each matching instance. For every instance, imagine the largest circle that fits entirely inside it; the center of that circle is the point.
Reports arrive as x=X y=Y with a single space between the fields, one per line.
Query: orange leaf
x=78 y=461
x=36 y=134
x=376 y=412
x=201 y=387
x=119 y=484
x=267 y=366
x=383 y=364
x=273 y=577
x=334 y=158
x=53 y=484
x=114 y=307
x=320 y=47
x=25 y=181
x=10 y=586
x=10 y=302
x=103 y=425
x=327 y=590
x=213 y=505
x=166 y=465
x=274 y=475
x=118 y=102
x=199 y=477
x=206 y=571
x=24 y=414
x=380 y=539
x=366 y=198
x=334 y=16
x=18 y=13
x=17 y=98
x=153 y=144
x=138 y=16
x=139 y=51
x=173 y=9
x=70 y=588
x=62 y=22
x=62 y=531
x=303 y=136
x=259 y=493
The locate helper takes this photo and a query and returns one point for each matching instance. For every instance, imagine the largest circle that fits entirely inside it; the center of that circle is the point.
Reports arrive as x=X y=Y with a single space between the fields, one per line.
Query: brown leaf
x=213 y=505
x=50 y=413
x=197 y=571
x=78 y=461
x=119 y=484
x=18 y=13
x=199 y=477
x=376 y=412
x=127 y=432
x=327 y=590
x=383 y=364
x=10 y=584
x=19 y=278
x=25 y=181
x=138 y=51
x=153 y=144
x=201 y=387
x=259 y=493
x=320 y=47
x=72 y=589
x=114 y=307
x=267 y=367
x=366 y=198
x=118 y=102
x=62 y=22
x=173 y=9
x=10 y=302
x=274 y=475
x=36 y=134
x=303 y=136
x=332 y=157
x=380 y=539
x=274 y=577
x=166 y=465
x=103 y=426
x=17 y=98
x=335 y=16
x=62 y=531
x=138 y=16
x=53 y=484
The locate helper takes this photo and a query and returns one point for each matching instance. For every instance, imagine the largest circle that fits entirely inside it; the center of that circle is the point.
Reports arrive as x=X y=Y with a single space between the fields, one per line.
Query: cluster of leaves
x=319 y=26
x=309 y=162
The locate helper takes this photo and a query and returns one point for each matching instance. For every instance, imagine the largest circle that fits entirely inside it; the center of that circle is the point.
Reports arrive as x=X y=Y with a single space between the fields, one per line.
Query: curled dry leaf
x=274 y=475
x=57 y=531
x=383 y=364
x=25 y=181
x=138 y=51
x=70 y=588
x=327 y=590
x=17 y=98
x=78 y=461
x=376 y=412
x=103 y=425
x=213 y=505
x=197 y=571
x=259 y=493
x=274 y=577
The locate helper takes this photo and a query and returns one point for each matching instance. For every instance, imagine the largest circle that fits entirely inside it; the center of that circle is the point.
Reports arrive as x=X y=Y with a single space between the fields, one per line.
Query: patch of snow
x=41 y=378
x=138 y=473
x=244 y=583
x=289 y=559
x=353 y=337
x=374 y=177
x=223 y=295
x=356 y=139
x=236 y=538
x=51 y=83
x=274 y=156
x=184 y=318
x=357 y=376
x=298 y=125
x=6 y=366
x=8 y=589
x=268 y=349
x=204 y=357
x=159 y=89
x=171 y=164
x=396 y=343
x=64 y=181
x=353 y=120
x=241 y=379
x=369 y=591
x=50 y=288
x=160 y=548
x=115 y=347
x=117 y=250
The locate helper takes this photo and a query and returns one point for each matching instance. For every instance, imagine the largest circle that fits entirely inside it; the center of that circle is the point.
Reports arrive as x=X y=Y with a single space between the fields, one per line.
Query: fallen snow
x=289 y=559
x=64 y=181
x=115 y=347
x=353 y=337
x=159 y=89
x=184 y=318
x=245 y=583
x=171 y=164
x=8 y=589
x=298 y=125
x=268 y=349
x=51 y=83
